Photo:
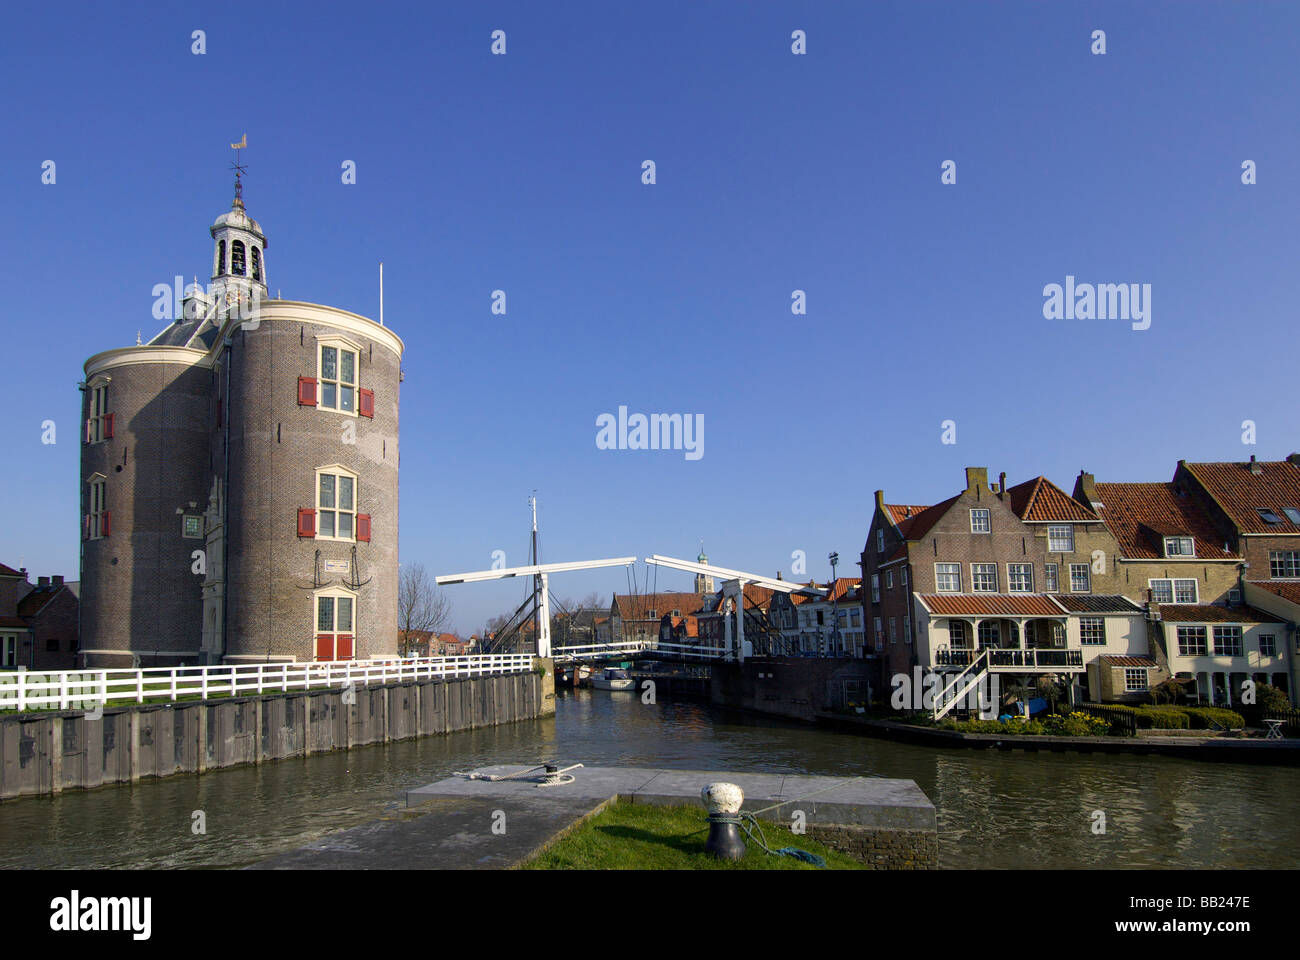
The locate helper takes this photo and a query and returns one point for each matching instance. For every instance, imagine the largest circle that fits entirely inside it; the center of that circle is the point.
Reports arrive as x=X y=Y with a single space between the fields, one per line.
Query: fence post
x=139 y=685
x=173 y=684
x=63 y=690
x=20 y=686
x=203 y=683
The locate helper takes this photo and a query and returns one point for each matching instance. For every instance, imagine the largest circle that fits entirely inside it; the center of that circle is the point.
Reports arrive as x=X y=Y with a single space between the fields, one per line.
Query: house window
x=1092 y=631
x=875 y=622
x=97 y=515
x=989 y=634
x=1135 y=679
x=903 y=576
x=979 y=521
x=1060 y=538
x=192 y=527
x=880 y=541
x=1191 y=641
x=1020 y=577
x=1173 y=591
x=1267 y=645
x=889 y=579
x=984 y=577
x=1234 y=596
x=654 y=614
x=1051 y=578
x=957 y=636
x=1267 y=515
x=1179 y=547
x=855 y=617
x=893 y=629
x=9 y=650
x=1283 y=564
x=947 y=577
x=907 y=629
x=1292 y=514
x=338 y=378
x=1184 y=591
x=1080 y=580
x=875 y=588
x=1227 y=641
x=335 y=629
x=336 y=504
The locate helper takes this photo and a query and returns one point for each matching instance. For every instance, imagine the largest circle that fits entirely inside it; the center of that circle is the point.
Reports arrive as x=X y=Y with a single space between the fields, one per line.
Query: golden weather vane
x=239 y=169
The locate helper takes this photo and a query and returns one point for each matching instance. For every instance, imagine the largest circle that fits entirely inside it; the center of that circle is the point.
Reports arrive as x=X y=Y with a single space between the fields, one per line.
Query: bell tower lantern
x=239 y=252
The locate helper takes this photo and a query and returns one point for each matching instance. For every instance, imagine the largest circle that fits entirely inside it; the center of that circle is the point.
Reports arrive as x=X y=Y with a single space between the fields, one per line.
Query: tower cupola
x=239 y=255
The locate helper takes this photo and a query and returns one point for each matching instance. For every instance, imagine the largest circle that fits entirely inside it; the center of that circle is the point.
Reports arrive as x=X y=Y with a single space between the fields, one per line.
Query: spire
x=239 y=172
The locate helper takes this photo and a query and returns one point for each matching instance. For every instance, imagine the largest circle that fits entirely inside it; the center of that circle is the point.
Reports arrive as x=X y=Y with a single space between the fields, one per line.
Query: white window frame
x=1090 y=629
x=337 y=470
x=940 y=574
x=889 y=579
x=97 y=410
x=1284 y=559
x=185 y=518
x=341 y=345
x=1011 y=578
x=975 y=581
x=1135 y=679
x=1178 y=550
x=875 y=588
x=1272 y=644
x=1227 y=629
x=1087 y=574
x=989 y=633
x=9 y=647
x=334 y=593
x=97 y=504
x=1055 y=537
x=964 y=643
x=987 y=517
x=1052 y=578
x=1190 y=630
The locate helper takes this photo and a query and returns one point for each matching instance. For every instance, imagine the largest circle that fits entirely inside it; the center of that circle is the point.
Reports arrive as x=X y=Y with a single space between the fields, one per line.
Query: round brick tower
x=239 y=478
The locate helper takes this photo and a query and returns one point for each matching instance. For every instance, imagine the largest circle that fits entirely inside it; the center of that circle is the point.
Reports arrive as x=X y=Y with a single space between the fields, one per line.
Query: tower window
x=336 y=505
x=335 y=626
x=338 y=379
x=237 y=257
x=257 y=264
x=221 y=258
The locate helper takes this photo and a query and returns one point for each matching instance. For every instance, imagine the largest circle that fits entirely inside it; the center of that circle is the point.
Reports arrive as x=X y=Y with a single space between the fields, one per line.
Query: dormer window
x=1292 y=514
x=237 y=258
x=1179 y=547
x=654 y=614
x=1268 y=516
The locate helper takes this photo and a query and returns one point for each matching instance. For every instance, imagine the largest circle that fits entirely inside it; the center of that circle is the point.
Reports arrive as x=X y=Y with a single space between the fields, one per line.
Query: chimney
x=1085 y=488
x=58 y=579
x=1002 y=484
x=42 y=581
x=880 y=500
x=778 y=574
x=1293 y=458
x=976 y=477
x=1256 y=468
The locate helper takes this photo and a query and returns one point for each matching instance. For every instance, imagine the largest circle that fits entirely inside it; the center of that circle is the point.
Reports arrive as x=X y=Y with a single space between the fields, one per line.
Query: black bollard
x=723 y=801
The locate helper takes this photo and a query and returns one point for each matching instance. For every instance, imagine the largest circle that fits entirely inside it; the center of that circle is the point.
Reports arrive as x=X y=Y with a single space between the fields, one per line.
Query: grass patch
x=639 y=836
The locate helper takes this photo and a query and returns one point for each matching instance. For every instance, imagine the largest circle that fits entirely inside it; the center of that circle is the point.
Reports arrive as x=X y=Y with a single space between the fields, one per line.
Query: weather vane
x=239 y=169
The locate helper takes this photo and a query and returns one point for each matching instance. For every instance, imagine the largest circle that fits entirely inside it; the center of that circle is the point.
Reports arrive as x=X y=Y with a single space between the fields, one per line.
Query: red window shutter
x=363 y=527
x=367 y=405
x=104 y=524
x=108 y=426
x=306 y=522
x=85 y=533
x=306 y=391
x=324 y=646
x=344 y=649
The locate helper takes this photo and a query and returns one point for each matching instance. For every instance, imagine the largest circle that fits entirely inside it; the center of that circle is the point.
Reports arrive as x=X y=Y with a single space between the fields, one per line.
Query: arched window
x=221 y=258
x=257 y=264
x=237 y=257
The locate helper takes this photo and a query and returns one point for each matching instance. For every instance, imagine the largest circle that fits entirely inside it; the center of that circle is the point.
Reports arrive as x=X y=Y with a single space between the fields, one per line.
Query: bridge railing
x=596 y=649
x=692 y=651
x=84 y=689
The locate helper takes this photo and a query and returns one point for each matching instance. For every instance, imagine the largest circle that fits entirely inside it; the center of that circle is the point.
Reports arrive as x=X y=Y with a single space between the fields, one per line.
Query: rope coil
x=748 y=823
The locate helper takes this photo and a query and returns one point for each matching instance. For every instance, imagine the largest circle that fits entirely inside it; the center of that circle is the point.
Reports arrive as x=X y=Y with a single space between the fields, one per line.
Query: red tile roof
x=1118 y=661
x=843 y=589
x=1204 y=613
x=1286 y=589
x=638 y=606
x=1241 y=493
x=922 y=519
x=1041 y=501
x=1139 y=514
x=991 y=605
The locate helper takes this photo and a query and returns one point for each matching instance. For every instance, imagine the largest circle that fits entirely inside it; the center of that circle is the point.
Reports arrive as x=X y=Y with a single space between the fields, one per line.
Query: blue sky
x=775 y=172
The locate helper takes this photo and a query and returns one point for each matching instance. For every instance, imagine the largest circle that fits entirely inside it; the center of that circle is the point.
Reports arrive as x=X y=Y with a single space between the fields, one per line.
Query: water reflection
x=1001 y=810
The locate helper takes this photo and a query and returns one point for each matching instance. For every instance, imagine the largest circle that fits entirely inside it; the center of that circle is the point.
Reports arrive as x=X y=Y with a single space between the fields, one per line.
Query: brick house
x=637 y=616
x=1015 y=581
x=239 y=478
x=38 y=625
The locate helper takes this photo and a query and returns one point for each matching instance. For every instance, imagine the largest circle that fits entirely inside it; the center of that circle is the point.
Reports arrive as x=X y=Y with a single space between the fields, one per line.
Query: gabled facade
x=38 y=624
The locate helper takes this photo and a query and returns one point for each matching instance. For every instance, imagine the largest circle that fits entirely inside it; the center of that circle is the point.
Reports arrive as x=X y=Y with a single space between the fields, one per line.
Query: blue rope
x=749 y=824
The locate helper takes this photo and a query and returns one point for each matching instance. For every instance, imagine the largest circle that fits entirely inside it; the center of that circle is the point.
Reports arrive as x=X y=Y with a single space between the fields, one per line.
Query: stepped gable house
x=239 y=478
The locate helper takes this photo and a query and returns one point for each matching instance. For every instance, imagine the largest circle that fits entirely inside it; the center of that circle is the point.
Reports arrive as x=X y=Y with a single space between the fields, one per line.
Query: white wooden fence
x=85 y=689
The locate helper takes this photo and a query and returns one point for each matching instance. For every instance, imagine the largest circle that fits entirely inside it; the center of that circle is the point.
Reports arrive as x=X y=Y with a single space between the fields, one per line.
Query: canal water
x=998 y=810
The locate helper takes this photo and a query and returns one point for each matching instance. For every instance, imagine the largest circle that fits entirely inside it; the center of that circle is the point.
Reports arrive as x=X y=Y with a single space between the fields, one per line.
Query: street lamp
x=835 y=606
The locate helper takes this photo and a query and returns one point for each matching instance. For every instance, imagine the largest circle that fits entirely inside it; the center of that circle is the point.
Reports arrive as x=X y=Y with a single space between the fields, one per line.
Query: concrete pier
x=460 y=823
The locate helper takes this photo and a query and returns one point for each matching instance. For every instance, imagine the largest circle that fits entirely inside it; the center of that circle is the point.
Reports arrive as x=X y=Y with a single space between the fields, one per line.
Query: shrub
x=1165 y=718
x=1203 y=718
